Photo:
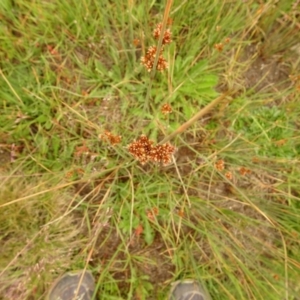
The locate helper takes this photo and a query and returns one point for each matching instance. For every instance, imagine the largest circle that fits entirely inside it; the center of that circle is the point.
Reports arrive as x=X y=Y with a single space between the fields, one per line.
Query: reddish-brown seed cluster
x=167 y=34
x=244 y=171
x=219 y=47
x=80 y=150
x=166 y=109
x=161 y=64
x=144 y=151
x=220 y=165
x=148 y=60
x=162 y=153
x=109 y=137
x=227 y=40
x=141 y=149
x=228 y=175
x=136 y=42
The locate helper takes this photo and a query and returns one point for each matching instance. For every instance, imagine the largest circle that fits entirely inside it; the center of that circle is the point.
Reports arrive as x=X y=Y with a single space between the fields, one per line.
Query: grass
x=226 y=211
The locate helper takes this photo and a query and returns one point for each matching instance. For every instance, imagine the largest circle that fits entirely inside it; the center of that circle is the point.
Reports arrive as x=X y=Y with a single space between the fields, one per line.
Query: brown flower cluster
x=220 y=46
x=244 y=171
x=220 y=165
x=166 y=109
x=228 y=175
x=109 y=137
x=148 y=59
x=167 y=34
x=144 y=151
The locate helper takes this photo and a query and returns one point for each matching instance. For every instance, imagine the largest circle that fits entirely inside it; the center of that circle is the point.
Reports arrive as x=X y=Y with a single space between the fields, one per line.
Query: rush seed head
x=167 y=34
x=148 y=60
x=109 y=137
x=166 y=109
x=144 y=151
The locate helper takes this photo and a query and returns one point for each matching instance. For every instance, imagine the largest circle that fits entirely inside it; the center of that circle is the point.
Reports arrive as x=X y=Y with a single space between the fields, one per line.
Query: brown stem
x=192 y=120
x=163 y=28
x=159 y=45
